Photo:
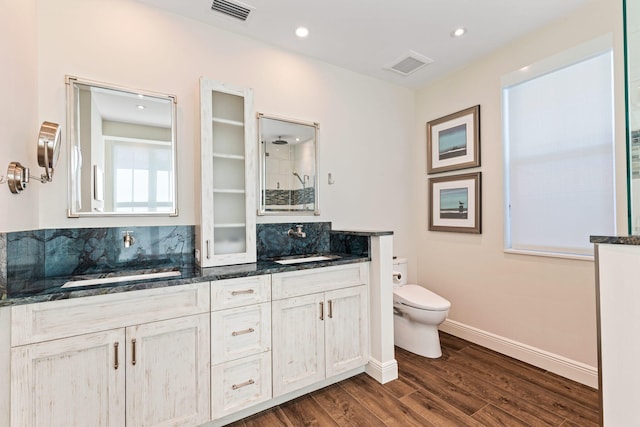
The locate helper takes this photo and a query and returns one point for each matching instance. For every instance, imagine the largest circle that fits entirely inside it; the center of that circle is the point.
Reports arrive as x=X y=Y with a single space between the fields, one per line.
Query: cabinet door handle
x=244 y=384
x=247 y=291
x=116 y=363
x=246 y=331
x=133 y=351
x=321 y=310
x=330 y=302
x=208 y=249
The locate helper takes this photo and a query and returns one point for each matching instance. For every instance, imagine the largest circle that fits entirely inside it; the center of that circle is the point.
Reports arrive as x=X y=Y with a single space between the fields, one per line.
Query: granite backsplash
x=40 y=254
x=29 y=256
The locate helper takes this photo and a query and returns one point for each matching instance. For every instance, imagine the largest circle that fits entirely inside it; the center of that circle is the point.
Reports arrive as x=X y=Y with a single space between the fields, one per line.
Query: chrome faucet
x=298 y=232
x=128 y=239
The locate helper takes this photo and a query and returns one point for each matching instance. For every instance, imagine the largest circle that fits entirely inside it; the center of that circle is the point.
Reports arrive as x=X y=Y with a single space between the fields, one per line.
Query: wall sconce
x=48 y=152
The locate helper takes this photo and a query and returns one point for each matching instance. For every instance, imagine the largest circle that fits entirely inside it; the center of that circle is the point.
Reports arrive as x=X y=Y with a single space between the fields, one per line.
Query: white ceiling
x=366 y=35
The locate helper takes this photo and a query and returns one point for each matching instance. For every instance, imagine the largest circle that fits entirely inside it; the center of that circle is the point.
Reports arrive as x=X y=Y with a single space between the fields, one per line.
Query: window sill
x=550 y=254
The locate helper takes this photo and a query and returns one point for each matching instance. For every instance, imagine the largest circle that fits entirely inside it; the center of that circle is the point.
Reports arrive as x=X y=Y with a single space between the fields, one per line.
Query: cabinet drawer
x=240 y=384
x=231 y=293
x=58 y=319
x=240 y=332
x=304 y=282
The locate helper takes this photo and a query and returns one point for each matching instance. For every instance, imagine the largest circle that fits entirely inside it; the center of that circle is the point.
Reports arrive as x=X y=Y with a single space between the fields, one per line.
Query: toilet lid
x=419 y=297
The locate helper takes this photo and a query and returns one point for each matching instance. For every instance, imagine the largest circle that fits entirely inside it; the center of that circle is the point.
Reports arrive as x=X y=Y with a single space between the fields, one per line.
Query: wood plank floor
x=469 y=386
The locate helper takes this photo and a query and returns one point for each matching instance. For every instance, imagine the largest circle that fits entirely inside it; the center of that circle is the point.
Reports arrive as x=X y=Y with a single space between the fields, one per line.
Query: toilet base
x=418 y=338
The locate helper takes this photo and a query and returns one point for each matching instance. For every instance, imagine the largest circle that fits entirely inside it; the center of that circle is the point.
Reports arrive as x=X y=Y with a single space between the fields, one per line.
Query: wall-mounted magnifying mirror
x=288 y=166
x=48 y=148
x=122 y=151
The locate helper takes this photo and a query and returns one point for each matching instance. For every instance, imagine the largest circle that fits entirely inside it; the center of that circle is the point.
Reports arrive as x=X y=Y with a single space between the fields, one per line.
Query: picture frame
x=453 y=141
x=455 y=203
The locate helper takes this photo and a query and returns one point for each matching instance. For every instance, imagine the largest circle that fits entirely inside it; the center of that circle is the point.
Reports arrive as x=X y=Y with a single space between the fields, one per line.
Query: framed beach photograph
x=454 y=203
x=453 y=141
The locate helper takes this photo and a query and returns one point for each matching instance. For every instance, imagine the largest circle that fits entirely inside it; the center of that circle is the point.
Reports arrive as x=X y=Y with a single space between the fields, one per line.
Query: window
x=559 y=153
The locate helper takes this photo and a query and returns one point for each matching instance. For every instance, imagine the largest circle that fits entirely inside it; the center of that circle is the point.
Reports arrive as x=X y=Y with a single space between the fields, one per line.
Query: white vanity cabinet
x=109 y=361
x=618 y=298
x=240 y=344
x=228 y=175
x=320 y=324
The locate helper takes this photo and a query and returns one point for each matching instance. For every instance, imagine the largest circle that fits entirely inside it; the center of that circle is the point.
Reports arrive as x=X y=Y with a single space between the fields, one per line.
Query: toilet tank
x=399 y=266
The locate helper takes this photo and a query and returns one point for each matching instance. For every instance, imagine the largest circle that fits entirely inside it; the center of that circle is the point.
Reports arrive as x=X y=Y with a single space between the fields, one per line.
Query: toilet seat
x=418 y=297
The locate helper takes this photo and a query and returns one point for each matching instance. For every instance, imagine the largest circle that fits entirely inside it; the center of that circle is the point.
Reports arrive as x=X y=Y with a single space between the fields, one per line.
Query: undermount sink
x=306 y=259
x=118 y=279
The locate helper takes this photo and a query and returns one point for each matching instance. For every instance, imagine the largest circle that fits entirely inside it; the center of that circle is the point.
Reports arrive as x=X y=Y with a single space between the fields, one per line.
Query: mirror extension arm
x=48 y=152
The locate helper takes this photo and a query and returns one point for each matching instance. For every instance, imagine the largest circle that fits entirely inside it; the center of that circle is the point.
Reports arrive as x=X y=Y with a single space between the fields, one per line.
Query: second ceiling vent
x=232 y=8
x=409 y=63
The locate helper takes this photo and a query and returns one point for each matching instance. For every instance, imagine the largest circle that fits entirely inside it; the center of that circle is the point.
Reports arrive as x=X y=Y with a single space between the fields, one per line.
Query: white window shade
x=559 y=158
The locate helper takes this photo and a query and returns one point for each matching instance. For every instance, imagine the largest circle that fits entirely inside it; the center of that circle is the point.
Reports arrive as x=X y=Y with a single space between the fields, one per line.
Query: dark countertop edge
x=616 y=240
x=201 y=275
x=363 y=232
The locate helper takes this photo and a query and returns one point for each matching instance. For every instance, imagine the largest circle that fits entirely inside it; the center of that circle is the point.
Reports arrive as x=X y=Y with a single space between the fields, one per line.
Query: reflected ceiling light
x=302 y=32
x=140 y=107
x=458 y=32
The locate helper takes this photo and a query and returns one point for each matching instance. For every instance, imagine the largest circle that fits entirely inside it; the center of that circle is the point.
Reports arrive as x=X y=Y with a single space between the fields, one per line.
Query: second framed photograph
x=455 y=203
x=453 y=141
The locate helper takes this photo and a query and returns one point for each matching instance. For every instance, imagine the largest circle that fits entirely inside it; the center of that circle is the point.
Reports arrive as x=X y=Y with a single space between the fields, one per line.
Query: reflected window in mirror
x=288 y=166
x=122 y=151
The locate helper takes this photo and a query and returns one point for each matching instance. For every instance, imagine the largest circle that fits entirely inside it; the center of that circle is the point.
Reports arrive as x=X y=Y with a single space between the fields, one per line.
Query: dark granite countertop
x=51 y=289
x=616 y=240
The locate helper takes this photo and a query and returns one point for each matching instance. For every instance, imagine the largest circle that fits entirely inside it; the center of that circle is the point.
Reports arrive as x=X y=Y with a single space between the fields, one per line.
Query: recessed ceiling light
x=140 y=107
x=302 y=32
x=458 y=32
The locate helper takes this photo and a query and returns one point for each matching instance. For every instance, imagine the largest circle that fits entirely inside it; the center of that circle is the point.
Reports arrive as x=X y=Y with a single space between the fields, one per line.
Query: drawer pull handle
x=133 y=351
x=330 y=309
x=246 y=331
x=116 y=363
x=248 y=291
x=321 y=311
x=244 y=384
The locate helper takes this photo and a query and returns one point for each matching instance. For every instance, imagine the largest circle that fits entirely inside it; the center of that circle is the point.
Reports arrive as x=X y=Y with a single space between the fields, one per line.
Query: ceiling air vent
x=233 y=9
x=409 y=63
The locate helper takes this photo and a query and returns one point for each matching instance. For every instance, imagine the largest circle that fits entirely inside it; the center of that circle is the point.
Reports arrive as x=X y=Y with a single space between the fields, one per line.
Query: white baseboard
x=382 y=372
x=560 y=365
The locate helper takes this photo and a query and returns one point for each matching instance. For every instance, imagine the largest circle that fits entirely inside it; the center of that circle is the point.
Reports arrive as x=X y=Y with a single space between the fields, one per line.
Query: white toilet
x=417 y=314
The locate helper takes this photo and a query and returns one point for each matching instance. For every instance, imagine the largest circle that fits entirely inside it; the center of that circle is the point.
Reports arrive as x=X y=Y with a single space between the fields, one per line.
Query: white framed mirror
x=632 y=41
x=288 y=166
x=122 y=151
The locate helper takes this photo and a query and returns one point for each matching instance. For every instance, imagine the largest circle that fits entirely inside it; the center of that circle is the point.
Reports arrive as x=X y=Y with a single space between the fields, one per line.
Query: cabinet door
x=76 y=381
x=228 y=175
x=346 y=329
x=168 y=372
x=298 y=342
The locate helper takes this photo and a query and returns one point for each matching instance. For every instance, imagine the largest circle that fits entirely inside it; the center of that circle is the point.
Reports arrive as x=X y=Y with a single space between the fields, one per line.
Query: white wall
x=19 y=124
x=366 y=125
x=547 y=303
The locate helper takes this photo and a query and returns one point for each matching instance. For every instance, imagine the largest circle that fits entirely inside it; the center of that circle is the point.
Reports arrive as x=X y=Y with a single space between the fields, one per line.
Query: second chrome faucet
x=297 y=232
